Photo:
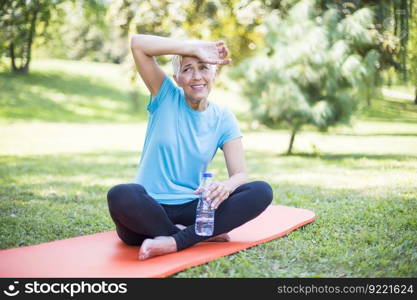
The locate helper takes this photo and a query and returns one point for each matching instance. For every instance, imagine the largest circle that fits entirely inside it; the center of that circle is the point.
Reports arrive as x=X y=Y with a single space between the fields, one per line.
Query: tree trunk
x=368 y=96
x=12 y=58
x=293 y=132
x=26 y=55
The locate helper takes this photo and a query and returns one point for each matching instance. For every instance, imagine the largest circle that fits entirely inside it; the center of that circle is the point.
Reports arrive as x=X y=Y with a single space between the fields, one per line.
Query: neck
x=199 y=105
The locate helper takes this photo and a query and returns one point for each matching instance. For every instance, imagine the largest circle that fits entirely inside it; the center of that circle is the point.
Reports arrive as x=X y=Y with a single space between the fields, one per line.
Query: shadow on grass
x=330 y=157
x=389 y=109
x=388 y=134
x=97 y=164
x=110 y=164
x=61 y=97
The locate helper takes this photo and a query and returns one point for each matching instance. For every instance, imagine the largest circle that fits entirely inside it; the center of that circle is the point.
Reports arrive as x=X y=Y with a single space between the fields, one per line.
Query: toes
x=143 y=251
x=142 y=256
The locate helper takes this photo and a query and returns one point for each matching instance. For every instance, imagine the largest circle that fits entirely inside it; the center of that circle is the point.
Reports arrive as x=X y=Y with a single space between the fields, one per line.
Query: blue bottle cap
x=207 y=175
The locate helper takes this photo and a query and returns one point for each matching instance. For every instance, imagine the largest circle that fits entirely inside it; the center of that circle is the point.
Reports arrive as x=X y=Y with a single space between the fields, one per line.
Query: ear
x=175 y=78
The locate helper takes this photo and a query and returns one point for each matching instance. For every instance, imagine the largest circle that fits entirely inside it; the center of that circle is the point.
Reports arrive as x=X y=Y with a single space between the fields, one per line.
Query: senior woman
x=184 y=131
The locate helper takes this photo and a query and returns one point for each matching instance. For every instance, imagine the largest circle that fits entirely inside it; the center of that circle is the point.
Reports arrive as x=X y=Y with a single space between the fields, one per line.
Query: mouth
x=198 y=87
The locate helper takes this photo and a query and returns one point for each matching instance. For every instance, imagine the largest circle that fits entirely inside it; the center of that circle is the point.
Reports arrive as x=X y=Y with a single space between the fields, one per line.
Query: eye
x=204 y=67
x=185 y=70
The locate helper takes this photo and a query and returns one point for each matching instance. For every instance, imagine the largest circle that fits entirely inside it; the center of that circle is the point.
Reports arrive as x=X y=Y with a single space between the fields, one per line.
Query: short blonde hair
x=176 y=64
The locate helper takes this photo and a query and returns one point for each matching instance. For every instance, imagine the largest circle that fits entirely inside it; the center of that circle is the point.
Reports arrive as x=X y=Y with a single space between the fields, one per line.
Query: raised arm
x=146 y=47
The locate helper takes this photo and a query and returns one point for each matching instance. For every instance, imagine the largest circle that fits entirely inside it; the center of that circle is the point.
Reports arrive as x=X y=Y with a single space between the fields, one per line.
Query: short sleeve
x=230 y=128
x=167 y=90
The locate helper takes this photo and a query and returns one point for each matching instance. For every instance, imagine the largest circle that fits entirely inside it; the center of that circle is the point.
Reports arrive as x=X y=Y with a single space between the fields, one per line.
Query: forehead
x=189 y=60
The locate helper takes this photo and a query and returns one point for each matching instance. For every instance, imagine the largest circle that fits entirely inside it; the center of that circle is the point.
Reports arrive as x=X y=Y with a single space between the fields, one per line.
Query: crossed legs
x=140 y=220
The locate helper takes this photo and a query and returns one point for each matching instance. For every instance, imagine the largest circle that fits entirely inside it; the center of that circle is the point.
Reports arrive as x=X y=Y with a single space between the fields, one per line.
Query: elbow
x=135 y=41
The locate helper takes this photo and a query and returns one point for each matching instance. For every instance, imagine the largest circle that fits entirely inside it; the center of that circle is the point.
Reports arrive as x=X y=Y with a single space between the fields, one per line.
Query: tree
x=393 y=19
x=401 y=20
x=413 y=51
x=234 y=21
x=21 y=21
x=81 y=31
x=315 y=69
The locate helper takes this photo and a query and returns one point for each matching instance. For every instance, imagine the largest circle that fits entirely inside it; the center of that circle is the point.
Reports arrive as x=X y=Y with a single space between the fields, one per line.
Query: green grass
x=361 y=181
x=72 y=91
x=390 y=108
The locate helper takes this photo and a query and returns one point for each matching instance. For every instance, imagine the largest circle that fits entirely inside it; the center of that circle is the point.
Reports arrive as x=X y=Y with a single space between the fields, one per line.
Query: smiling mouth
x=198 y=87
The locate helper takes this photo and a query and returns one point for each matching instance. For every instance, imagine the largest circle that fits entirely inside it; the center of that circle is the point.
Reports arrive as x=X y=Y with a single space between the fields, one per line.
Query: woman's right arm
x=146 y=47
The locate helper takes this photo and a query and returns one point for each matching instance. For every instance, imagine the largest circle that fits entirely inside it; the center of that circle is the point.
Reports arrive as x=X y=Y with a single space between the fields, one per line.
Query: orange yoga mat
x=104 y=255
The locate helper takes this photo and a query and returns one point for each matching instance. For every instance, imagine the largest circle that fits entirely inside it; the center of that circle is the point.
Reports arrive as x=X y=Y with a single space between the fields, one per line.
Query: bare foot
x=157 y=246
x=219 y=238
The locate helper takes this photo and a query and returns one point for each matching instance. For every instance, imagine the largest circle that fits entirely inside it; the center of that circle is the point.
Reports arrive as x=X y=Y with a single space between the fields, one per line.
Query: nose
x=197 y=75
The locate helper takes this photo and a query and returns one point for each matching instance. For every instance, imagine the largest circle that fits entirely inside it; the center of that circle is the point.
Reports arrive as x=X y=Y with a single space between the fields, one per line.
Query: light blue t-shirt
x=180 y=143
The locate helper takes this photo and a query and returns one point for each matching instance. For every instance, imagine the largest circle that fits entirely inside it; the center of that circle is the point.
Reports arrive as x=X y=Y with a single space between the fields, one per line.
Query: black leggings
x=138 y=216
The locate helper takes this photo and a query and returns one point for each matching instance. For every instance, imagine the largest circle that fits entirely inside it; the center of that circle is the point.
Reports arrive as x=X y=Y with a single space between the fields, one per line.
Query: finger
x=214 y=204
x=198 y=190
x=224 y=51
x=214 y=191
x=224 y=61
x=225 y=194
x=214 y=185
x=210 y=61
x=219 y=61
x=218 y=200
x=213 y=194
x=222 y=195
x=219 y=43
x=213 y=61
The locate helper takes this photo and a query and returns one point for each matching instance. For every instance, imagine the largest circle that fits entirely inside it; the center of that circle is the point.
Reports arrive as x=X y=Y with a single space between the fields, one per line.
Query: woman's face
x=196 y=78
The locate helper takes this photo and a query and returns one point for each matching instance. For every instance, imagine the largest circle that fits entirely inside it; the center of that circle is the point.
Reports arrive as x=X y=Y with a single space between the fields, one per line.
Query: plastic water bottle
x=204 y=223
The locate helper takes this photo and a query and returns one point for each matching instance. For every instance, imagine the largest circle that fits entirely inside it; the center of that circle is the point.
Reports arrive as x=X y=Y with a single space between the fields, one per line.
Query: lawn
x=68 y=135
